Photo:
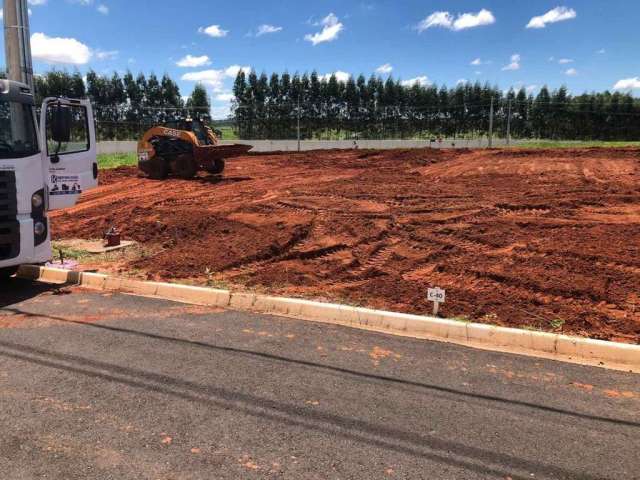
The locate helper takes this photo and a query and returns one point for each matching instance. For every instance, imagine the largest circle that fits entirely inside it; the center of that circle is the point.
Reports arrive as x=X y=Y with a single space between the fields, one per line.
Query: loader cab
x=43 y=167
x=199 y=130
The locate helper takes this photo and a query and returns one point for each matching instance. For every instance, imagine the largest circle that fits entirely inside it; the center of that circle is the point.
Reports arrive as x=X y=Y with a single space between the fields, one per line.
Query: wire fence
x=504 y=120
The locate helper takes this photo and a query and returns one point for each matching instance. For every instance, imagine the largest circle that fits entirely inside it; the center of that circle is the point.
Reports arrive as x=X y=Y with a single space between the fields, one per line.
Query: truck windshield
x=18 y=136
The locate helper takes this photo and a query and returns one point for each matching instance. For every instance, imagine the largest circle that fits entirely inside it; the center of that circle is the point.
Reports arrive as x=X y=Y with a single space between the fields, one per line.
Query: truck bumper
x=28 y=252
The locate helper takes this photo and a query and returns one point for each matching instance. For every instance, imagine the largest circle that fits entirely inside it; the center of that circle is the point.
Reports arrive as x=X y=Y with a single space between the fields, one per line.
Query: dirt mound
x=575 y=164
x=546 y=239
x=593 y=152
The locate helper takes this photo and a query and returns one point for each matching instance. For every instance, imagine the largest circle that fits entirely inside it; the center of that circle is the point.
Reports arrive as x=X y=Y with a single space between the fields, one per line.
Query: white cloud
x=266 y=29
x=627 y=84
x=461 y=22
x=222 y=109
x=225 y=97
x=340 y=76
x=471 y=20
x=212 y=78
x=213 y=31
x=572 y=72
x=331 y=28
x=107 y=55
x=515 y=63
x=37 y=2
x=385 y=69
x=233 y=70
x=476 y=62
x=103 y=9
x=423 y=81
x=190 y=61
x=564 y=61
x=461 y=81
x=528 y=88
x=557 y=14
x=602 y=51
x=215 y=78
x=59 y=50
x=221 y=113
x=436 y=19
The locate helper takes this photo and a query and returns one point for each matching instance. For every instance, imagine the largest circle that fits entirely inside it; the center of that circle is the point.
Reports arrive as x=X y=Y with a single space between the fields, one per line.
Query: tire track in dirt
x=378 y=257
x=525 y=235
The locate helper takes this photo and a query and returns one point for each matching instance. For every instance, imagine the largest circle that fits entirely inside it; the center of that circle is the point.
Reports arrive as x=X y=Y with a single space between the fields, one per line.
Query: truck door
x=70 y=166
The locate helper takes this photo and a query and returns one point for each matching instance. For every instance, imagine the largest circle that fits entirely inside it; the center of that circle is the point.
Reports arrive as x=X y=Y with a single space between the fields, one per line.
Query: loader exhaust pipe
x=17 y=41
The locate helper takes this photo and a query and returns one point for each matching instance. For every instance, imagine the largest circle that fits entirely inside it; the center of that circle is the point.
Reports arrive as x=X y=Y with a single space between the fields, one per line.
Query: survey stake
x=437 y=296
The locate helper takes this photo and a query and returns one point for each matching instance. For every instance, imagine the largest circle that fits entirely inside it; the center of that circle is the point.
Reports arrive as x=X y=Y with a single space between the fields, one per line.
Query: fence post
x=509 y=124
x=298 y=122
x=491 y=124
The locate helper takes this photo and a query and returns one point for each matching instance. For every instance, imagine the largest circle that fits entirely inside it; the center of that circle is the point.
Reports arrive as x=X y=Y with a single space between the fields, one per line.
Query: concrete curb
x=540 y=344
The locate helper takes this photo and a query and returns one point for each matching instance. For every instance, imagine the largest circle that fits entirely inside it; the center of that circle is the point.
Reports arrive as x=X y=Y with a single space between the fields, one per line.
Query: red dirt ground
x=545 y=239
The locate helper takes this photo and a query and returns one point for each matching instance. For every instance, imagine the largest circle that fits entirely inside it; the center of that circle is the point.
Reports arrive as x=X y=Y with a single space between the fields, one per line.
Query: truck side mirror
x=60 y=123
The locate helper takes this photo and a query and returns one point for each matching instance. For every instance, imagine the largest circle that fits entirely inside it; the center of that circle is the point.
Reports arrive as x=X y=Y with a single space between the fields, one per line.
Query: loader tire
x=158 y=169
x=217 y=167
x=184 y=166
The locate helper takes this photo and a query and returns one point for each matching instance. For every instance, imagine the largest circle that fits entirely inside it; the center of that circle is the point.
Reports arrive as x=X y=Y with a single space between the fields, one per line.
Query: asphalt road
x=102 y=386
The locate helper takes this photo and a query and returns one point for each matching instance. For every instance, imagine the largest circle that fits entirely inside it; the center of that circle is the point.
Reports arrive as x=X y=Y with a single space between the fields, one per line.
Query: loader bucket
x=210 y=153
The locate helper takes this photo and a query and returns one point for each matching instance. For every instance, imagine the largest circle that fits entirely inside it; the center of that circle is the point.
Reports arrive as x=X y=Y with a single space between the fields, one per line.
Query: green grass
x=68 y=252
x=227 y=132
x=573 y=144
x=557 y=324
x=114 y=160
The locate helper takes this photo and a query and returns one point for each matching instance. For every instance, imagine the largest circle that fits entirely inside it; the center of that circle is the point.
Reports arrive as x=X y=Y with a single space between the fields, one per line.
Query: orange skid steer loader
x=183 y=148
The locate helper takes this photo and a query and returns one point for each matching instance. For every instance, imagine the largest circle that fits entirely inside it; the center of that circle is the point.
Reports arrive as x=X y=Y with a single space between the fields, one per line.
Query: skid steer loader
x=183 y=148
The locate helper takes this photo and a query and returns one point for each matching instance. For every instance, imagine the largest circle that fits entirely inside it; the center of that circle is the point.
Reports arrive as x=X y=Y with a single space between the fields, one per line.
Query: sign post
x=437 y=296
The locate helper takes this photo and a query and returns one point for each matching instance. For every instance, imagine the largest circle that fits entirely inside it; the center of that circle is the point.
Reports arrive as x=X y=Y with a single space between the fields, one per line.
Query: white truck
x=44 y=166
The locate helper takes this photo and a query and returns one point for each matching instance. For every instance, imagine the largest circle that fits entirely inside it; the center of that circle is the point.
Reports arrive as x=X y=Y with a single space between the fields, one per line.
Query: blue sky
x=583 y=44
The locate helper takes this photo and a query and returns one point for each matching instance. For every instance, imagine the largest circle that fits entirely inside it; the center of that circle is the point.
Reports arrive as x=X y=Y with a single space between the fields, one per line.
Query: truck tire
x=7 y=272
x=217 y=167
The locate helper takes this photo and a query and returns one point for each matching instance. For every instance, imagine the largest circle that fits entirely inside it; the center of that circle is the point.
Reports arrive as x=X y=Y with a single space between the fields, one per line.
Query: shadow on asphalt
x=381 y=436
x=339 y=370
x=16 y=290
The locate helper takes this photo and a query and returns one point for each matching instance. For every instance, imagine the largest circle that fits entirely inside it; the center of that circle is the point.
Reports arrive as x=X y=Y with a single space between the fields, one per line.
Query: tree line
x=324 y=107
x=270 y=107
x=125 y=106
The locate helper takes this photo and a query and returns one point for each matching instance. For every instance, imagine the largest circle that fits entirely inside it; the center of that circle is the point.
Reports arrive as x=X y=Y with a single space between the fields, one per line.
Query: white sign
x=436 y=295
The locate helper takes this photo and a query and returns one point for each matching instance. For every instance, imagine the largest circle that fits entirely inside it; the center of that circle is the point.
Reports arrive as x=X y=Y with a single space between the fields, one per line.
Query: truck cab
x=44 y=166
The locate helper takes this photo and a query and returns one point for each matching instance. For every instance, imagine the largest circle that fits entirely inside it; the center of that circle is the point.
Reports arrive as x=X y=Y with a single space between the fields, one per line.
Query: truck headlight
x=39 y=228
x=37 y=201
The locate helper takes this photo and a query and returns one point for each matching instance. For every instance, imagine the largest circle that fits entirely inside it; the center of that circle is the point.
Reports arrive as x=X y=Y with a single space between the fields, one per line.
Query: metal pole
x=18 y=41
x=298 y=122
x=491 y=124
x=509 y=124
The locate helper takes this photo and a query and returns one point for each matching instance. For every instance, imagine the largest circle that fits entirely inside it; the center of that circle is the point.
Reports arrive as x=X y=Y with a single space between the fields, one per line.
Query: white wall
x=117 y=147
x=292 y=145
